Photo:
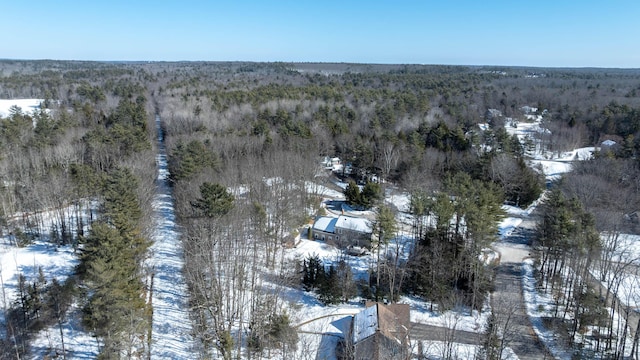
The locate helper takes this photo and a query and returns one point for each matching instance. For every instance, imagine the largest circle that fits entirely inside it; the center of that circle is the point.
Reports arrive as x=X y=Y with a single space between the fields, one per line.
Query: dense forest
x=244 y=141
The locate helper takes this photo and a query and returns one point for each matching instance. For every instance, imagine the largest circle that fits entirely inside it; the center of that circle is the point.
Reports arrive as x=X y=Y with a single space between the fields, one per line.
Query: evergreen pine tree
x=215 y=200
x=329 y=287
x=352 y=193
x=371 y=194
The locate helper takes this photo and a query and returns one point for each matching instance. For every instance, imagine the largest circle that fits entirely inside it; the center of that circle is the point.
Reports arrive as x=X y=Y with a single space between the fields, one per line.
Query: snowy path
x=508 y=299
x=171 y=336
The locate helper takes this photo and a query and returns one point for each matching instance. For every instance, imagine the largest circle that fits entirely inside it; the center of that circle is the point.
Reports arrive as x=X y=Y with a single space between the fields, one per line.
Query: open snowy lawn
x=552 y=169
x=27 y=105
x=628 y=289
x=402 y=200
x=627 y=254
x=554 y=166
x=627 y=248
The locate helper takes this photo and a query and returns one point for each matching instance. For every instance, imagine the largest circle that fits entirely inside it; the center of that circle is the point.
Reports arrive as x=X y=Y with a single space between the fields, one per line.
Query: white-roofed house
x=343 y=231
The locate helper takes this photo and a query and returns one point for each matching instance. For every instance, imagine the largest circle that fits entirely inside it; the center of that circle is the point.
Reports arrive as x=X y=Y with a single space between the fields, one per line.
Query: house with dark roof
x=380 y=332
x=343 y=231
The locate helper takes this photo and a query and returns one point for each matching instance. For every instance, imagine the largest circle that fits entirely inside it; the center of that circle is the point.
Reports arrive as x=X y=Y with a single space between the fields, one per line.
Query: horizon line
x=575 y=67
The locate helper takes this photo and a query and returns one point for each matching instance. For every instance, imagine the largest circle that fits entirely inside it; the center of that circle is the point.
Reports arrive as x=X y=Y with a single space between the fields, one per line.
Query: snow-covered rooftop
x=353 y=223
x=326 y=224
x=330 y=224
x=365 y=323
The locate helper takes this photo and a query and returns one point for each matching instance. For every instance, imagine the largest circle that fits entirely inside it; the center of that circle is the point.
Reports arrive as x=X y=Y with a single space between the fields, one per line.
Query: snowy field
x=26 y=105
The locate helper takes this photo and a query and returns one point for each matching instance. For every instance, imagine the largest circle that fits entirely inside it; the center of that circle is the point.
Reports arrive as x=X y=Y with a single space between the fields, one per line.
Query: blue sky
x=561 y=33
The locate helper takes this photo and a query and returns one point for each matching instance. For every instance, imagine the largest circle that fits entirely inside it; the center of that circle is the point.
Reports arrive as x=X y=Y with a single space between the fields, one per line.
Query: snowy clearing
x=26 y=105
x=56 y=262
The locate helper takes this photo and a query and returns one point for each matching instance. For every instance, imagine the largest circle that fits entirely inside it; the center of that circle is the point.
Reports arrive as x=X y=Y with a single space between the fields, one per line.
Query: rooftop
x=354 y=224
x=326 y=224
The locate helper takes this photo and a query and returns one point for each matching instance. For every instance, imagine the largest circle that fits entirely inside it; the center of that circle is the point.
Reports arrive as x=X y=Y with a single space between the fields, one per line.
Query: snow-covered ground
x=421 y=312
x=26 y=105
x=171 y=336
x=320 y=325
x=552 y=164
x=433 y=350
x=171 y=329
x=627 y=249
x=624 y=276
x=56 y=262
x=536 y=303
x=323 y=191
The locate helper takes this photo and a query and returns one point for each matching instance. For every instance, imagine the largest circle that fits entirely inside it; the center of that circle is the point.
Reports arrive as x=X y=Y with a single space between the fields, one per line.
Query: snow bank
x=536 y=304
x=507 y=225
